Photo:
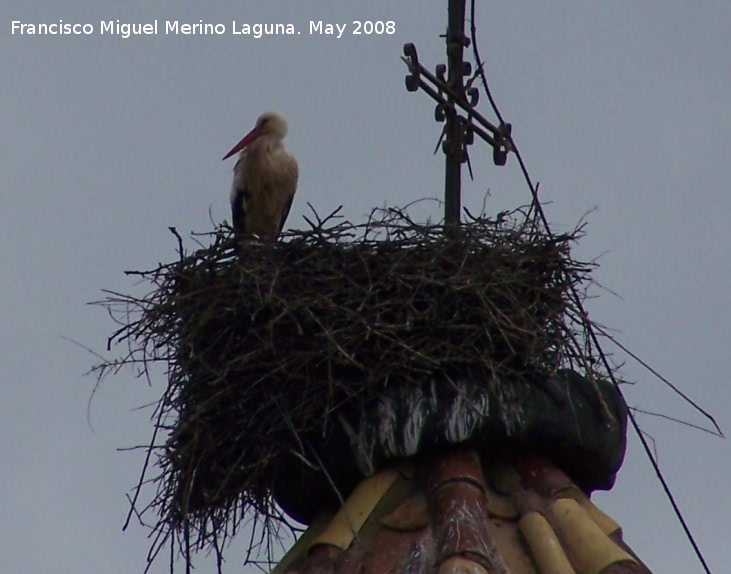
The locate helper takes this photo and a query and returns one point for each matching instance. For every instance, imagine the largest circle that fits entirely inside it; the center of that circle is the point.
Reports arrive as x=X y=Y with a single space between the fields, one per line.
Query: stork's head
x=270 y=125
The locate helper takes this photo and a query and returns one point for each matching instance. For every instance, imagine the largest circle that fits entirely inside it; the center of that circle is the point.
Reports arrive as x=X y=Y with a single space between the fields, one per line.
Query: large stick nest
x=264 y=342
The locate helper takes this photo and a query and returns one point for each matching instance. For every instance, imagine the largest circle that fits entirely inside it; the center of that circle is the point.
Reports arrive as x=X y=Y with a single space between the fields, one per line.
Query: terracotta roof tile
x=463 y=513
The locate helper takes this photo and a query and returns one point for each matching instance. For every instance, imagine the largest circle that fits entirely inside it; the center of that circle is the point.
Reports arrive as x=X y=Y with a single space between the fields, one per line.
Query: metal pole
x=453 y=145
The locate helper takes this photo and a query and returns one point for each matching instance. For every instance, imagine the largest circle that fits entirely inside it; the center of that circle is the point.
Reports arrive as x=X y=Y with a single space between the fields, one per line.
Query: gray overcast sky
x=108 y=141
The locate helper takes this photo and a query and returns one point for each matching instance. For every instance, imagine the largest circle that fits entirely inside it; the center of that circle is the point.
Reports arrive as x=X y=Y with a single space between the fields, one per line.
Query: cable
x=577 y=300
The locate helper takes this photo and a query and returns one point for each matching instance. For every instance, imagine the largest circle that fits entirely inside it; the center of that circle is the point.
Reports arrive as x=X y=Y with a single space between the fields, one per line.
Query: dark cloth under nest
x=581 y=427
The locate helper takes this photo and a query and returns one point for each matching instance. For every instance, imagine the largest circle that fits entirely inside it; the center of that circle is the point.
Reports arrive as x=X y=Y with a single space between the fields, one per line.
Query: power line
x=577 y=300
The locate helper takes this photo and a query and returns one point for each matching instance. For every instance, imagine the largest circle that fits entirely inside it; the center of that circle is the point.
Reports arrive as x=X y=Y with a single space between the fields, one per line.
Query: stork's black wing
x=285 y=213
x=238 y=216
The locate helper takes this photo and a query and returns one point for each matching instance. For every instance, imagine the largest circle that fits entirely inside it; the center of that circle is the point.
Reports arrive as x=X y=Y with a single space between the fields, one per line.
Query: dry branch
x=265 y=342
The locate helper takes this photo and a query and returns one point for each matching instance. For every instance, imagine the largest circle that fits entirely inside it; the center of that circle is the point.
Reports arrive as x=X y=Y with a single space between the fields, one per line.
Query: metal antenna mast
x=453 y=97
x=454 y=140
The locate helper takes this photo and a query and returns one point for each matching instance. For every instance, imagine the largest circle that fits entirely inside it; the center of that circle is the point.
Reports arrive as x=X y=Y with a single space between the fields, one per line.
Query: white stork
x=265 y=179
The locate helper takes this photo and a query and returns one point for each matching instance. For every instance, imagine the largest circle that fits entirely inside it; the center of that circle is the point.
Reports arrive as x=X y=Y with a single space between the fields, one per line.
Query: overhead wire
x=536 y=205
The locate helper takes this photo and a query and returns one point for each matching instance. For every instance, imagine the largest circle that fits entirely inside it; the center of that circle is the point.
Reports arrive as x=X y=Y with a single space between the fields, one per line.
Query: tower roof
x=464 y=511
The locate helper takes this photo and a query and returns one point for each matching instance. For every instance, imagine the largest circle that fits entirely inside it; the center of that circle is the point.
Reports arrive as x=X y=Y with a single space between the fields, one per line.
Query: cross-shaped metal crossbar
x=453 y=97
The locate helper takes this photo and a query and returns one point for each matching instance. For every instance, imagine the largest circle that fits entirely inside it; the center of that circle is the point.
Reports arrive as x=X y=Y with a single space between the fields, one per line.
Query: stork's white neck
x=267 y=143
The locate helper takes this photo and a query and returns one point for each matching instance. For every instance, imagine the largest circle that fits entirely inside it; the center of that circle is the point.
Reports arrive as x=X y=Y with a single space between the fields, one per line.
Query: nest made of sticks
x=264 y=342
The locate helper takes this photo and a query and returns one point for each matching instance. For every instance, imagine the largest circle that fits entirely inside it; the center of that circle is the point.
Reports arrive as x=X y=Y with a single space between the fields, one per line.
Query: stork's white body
x=265 y=179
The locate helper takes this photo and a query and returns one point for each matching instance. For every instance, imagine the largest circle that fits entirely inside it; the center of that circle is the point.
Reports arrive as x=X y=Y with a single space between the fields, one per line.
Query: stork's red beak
x=248 y=138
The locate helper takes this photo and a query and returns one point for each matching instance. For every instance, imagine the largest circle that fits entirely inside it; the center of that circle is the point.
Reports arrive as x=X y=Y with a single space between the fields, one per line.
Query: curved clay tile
x=464 y=512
